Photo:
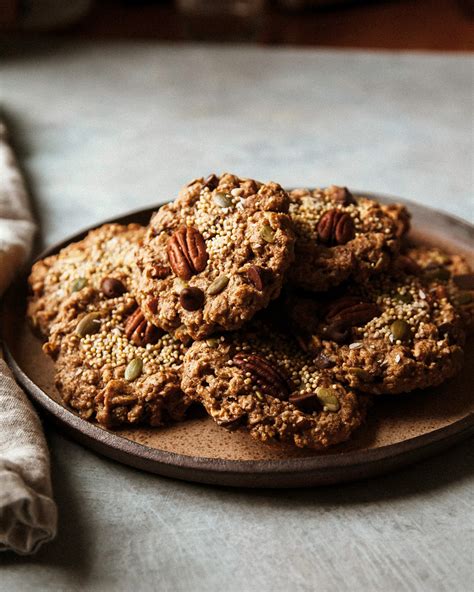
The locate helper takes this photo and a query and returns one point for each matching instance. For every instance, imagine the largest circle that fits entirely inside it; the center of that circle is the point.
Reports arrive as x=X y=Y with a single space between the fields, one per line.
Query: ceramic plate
x=399 y=430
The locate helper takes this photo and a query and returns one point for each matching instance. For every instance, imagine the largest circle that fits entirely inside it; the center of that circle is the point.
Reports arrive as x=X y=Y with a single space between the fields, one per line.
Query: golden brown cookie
x=106 y=254
x=341 y=236
x=215 y=256
x=261 y=380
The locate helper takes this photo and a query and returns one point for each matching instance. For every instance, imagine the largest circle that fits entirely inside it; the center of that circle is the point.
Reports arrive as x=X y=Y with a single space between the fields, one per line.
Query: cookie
x=452 y=273
x=106 y=254
x=215 y=256
x=260 y=379
x=392 y=335
x=341 y=237
x=113 y=367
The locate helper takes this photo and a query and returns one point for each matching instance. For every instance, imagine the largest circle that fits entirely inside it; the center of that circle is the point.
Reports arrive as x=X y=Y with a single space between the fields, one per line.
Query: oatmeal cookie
x=106 y=254
x=260 y=379
x=341 y=237
x=112 y=366
x=452 y=273
x=392 y=335
x=215 y=256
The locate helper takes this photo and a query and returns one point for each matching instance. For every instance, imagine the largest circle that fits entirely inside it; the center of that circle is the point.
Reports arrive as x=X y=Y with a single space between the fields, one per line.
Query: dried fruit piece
x=134 y=369
x=159 y=271
x=328 y=399
x=255 y=275
x=78 y=284
x=112 y=287
x=341 y=195
x=192 y=299
x=187 y=252
x=307 y=402
x=218 y=285
x=399 y=329
x=212 y=181
x=139 y=331
x=336 y=227
x=89 y=324
x=268 y=377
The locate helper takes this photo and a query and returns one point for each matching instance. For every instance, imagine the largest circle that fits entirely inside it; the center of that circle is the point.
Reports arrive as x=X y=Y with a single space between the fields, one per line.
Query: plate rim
x=297 y=466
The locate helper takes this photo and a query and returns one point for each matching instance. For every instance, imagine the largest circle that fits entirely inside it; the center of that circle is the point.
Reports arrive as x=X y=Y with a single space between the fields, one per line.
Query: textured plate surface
x=399 y=430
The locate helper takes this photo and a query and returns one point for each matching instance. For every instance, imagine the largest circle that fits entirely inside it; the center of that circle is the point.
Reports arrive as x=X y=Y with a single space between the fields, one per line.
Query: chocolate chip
x=191 y=299
x=112 y=287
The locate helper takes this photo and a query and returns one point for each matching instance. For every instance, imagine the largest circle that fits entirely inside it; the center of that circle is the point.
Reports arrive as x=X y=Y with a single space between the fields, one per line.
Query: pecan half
x=336 y=227
x=267 y=376
x=139 y=331
x=348 y=312
x=187 y=252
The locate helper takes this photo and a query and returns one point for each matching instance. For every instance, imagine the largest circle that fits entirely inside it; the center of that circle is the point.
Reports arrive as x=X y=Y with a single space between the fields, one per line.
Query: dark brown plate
x=400 y=430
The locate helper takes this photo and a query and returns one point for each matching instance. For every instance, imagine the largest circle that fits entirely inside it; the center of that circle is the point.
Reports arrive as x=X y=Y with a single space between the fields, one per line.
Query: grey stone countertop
x=103 y=129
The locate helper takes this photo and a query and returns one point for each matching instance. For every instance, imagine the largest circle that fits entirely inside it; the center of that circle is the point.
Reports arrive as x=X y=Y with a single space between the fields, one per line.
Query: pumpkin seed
x=218 y=285
x=133 y=369
x=328 y=399
x=463 y=298
x=223 y=200
x=88 y=325
x=399 y=329
x=78 y=284
x=212 y=342
x=267 y=233
x=361 y=374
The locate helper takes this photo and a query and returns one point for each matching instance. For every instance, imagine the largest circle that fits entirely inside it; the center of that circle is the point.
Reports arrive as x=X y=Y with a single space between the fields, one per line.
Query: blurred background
x=384 y=24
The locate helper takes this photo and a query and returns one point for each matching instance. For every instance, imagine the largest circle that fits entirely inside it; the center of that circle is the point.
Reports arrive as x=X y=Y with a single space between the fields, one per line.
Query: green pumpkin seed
x=361 y=374
x=212 y=342
x=218 y=285
x=328 y=399
x=133 y=369
x=89 y=324
x=267 y=233
x=223 y=200
x=400 y=329
x=78 y=284
x=463 y=298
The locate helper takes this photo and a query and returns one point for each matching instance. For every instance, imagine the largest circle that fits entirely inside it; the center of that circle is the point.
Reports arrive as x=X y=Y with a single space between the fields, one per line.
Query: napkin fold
x=28 y=514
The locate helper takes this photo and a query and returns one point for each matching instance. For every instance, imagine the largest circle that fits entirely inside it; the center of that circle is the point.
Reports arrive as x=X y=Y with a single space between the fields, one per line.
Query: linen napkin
x=28 y=514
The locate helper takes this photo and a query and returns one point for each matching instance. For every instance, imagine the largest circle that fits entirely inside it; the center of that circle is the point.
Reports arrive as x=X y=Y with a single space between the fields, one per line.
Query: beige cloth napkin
x=28 y=514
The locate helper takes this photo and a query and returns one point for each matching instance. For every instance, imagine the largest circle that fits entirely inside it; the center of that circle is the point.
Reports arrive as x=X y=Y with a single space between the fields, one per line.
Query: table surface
x=102 y=129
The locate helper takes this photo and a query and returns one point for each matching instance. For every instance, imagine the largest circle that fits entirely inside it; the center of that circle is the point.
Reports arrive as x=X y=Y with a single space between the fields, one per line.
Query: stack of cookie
x=281 y=314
